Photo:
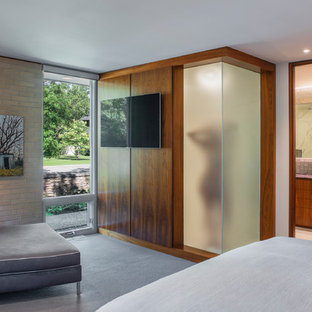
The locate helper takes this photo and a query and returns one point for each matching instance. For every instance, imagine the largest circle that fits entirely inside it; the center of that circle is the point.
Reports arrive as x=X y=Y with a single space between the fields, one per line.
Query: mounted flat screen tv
x=133 y=121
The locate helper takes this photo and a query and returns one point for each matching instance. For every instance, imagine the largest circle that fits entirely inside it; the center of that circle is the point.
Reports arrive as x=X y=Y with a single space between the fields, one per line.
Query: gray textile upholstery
x=33 y=256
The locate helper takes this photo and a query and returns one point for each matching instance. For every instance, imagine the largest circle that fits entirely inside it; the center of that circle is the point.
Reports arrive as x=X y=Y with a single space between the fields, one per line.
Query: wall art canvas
x=11 y=145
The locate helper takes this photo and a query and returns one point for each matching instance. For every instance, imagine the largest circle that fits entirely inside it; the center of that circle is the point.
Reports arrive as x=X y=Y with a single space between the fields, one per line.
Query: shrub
x=56 y=210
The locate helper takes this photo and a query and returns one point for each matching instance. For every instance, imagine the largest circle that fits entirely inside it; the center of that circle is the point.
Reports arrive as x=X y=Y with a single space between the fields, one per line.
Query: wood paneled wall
x=113 y=168
x=135 y=185
x=141 y=190
x=151 y=169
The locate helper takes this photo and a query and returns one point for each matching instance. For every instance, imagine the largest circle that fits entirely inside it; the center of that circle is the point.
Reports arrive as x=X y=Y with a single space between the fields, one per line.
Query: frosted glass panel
x=241 y=156
x=202 y=157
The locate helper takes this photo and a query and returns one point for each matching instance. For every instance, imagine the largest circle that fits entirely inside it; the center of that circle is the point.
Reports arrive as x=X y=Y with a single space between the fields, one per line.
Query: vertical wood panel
x=304 y=202
x=151 y=169
x=113 y=168
x=177 y=159
x=267 y=195
x=292 y=152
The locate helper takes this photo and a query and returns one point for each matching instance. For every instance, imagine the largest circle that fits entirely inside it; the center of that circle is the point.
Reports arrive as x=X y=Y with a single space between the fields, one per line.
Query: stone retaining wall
x=66 y=183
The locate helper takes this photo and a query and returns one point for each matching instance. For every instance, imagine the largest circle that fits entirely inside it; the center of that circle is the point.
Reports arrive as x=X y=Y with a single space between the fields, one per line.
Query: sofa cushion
x=34 y=247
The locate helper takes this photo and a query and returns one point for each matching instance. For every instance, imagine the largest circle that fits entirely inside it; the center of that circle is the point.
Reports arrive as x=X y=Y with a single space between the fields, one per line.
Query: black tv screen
x=145 y=123
x=133 y=121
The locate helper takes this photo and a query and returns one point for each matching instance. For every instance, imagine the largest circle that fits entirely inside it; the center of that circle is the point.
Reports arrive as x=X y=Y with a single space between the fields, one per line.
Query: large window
x=69 y=192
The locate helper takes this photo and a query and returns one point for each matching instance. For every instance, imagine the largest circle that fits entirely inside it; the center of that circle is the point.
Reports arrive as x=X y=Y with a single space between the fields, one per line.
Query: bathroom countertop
x=303 y=176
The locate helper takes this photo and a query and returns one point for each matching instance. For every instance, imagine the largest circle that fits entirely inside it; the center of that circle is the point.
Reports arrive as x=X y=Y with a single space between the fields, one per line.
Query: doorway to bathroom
x=300 y=222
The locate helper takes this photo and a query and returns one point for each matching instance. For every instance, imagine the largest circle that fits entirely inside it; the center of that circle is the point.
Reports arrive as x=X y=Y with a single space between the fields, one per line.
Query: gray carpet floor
x=111 y=268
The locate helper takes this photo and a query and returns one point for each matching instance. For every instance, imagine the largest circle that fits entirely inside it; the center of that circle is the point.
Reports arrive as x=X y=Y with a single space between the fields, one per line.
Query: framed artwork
x=11 y=145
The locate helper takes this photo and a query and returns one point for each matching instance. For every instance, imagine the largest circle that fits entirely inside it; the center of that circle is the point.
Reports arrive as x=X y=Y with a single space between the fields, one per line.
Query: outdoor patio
x=66 y=180
x=68 y=221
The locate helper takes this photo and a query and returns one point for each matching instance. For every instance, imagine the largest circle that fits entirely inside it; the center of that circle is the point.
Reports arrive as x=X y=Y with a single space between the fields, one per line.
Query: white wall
x=282 y=149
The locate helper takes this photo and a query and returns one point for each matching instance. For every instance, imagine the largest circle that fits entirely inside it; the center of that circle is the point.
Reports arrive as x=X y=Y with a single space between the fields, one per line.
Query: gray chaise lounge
x=35 y=256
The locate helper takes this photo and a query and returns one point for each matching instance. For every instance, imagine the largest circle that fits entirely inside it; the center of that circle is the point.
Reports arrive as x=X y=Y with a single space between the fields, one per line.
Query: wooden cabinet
x=304 y=202
x=135 y=185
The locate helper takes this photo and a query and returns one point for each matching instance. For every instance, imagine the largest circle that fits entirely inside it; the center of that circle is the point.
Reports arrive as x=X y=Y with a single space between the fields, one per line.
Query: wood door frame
x=292 y=145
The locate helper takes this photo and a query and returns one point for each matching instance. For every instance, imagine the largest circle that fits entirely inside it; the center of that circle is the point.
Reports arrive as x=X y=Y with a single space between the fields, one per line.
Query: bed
x=272 y=275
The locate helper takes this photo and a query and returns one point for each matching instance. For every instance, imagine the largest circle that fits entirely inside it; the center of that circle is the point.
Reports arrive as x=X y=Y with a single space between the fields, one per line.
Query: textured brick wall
x=21 y=95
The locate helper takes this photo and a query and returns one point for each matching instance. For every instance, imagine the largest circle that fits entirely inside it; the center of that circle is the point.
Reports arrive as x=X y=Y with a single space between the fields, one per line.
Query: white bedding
x=272 y=276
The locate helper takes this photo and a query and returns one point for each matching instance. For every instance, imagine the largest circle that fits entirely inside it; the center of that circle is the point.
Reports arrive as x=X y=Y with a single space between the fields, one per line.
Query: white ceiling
x=102 y=35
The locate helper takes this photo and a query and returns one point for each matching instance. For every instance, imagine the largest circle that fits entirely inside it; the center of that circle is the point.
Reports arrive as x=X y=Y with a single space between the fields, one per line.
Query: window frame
x=90 y=198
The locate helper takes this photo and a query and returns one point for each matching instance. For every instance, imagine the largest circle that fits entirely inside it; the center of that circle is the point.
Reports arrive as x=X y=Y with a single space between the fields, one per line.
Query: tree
x=63 y=103
x=114 y=122
x=11 y=133
x=76 y=135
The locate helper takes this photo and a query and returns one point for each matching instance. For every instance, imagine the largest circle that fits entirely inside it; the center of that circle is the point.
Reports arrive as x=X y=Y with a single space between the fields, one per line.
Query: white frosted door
x=241 y=156
x=202 y=157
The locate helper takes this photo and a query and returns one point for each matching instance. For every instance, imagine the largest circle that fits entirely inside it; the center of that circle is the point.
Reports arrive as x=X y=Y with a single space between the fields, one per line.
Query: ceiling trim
x=193 y=58
x=70 y=72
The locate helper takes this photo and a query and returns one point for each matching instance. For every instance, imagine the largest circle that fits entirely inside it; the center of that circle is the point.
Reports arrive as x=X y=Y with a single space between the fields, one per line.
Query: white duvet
x=271 y=276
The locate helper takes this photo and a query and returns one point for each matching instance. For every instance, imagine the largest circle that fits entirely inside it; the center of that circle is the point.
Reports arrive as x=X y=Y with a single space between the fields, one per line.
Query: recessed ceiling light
x=67 y=78
x=306 y=51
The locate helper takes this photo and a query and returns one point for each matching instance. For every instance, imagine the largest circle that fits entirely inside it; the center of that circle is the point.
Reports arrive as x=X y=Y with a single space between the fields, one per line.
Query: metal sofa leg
x=78 y=289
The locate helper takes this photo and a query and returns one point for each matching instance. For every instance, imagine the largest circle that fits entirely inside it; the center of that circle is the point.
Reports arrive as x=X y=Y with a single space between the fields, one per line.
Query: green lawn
x=66 y=160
